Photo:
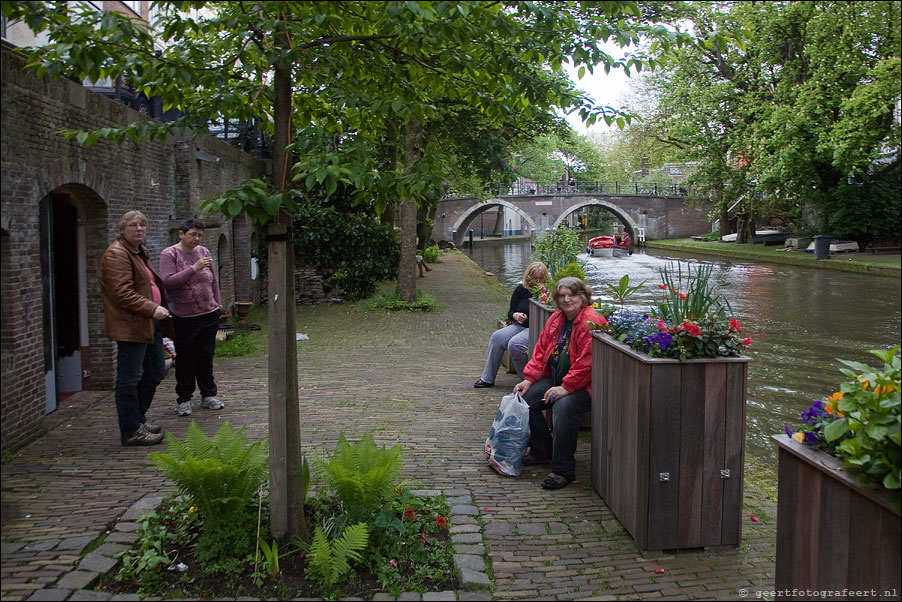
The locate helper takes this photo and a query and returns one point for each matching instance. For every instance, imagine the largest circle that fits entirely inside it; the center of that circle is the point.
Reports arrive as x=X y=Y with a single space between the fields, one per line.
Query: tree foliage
x=794 y=113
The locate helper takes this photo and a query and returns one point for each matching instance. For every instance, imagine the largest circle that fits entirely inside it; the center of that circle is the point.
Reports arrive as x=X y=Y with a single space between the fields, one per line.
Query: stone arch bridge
x=660 y=216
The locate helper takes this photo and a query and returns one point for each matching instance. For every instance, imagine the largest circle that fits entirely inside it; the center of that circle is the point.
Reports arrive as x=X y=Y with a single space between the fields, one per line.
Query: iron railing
x=583 y=187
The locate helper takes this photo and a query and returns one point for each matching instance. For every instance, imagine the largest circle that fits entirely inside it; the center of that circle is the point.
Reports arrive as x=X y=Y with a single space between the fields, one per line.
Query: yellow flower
x=192 y=509
x=800 y=437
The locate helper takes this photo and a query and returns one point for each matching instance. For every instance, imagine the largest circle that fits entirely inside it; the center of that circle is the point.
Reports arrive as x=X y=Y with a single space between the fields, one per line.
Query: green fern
x=362 y=475
x=328 y=562
x=220 y=474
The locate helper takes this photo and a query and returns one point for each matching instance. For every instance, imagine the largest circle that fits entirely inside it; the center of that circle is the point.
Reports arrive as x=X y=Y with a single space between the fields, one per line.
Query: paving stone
x=460 y=500
x=142 y=507
x=75 y=543
x=410 y=596
x=464 y=509
x=497 y=528
x=122 y=537
x=77 y=580
x=9 y=547
x=128 y=526
x=41 y=546
x=97 y=562
x=84 y=594
x=469 y=549
x=426 y=492
x=481 y=595
x=383 y=597
x=126 y=598
x=49 y=595
x=440 y=596
x=470 y=578
x=532 y=529
x=464 y=529
x=467 y=538
x=469 y=561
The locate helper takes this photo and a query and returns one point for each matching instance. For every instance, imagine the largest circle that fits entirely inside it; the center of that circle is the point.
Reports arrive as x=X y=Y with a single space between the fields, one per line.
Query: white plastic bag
x=509 y=436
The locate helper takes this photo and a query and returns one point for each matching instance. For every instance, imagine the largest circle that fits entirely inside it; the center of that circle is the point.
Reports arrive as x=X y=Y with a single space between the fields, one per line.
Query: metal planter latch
x=725 y=473
x=664 y=477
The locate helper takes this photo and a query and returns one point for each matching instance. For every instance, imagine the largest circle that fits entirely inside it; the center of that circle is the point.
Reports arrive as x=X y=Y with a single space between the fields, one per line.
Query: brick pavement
x=408 y=377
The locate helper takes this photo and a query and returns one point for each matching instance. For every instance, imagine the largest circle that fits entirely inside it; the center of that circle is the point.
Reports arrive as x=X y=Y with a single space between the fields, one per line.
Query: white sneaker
x=184 y=408
x=212 y=403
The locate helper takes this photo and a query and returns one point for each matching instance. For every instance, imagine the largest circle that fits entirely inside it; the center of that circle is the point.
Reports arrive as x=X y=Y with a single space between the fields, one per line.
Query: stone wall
x=95 y=185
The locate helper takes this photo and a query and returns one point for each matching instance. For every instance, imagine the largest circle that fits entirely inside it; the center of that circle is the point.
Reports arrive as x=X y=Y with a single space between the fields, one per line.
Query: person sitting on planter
x=559 y=377
x=515 y=337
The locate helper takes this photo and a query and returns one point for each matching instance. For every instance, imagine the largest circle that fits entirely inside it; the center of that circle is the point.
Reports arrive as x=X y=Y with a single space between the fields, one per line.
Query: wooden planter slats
x=538 y=315
x=833 y=534
x=668 y=445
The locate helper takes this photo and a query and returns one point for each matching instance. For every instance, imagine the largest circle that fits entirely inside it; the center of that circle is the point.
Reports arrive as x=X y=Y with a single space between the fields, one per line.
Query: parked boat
x=838 y=246
x=608 y=246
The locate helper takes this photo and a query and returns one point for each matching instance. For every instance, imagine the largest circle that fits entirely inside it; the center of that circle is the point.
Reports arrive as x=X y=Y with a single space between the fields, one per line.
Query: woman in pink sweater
x=193 y=291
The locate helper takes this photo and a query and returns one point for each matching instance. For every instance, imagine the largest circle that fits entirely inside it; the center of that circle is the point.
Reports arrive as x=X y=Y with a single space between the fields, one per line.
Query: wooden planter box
x=668 y=445
x=833 y=534
x=538 y=315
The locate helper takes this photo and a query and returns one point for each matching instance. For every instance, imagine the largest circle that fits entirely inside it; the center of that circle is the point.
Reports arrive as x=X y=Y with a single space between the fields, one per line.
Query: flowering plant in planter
x=691 y=320
x=860 y=423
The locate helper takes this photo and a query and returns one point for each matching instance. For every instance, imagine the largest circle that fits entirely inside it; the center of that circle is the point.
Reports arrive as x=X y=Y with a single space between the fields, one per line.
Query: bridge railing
x=575 y=187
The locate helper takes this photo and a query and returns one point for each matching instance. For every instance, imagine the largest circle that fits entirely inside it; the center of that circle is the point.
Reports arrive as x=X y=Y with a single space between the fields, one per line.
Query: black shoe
x=556 y=481
x=153 y=428
x=481 y=384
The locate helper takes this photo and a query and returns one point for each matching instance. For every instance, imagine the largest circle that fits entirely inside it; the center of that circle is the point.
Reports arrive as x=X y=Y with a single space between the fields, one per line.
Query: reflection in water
x=801 y=321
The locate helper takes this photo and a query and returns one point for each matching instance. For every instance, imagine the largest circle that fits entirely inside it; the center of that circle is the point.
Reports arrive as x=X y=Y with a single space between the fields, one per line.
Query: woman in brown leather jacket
x=134 y=305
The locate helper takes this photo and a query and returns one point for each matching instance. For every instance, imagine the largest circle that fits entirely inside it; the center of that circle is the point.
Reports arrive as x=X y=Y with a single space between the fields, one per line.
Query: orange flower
x=800 y=437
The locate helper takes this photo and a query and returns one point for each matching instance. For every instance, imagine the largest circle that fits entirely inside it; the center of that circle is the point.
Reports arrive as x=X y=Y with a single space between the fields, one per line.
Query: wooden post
x=285 y=461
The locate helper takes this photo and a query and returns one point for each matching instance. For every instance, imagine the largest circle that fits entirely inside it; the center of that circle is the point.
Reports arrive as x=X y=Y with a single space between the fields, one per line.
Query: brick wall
x=166 y=181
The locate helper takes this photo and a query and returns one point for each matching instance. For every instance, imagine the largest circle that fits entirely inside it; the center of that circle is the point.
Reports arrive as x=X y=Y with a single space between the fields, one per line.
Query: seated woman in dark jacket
x=559 y=377
x=515 y=337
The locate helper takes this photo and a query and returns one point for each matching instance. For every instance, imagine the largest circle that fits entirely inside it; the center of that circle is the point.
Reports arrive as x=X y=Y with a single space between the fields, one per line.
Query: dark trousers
x=195 y=344
x=566 y=415
x=140 y=367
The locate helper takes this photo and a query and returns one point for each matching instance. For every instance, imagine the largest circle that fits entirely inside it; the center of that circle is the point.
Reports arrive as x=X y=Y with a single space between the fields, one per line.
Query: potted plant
x=838 y=508
x=668 y=415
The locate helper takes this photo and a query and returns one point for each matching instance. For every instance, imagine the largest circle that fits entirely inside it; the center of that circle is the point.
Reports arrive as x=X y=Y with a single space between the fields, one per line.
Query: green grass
x=385 y=301
x=238 y=345
x=885 y=265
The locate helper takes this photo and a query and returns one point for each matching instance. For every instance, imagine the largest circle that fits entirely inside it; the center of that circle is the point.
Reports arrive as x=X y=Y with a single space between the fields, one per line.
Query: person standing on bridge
x=514 y=338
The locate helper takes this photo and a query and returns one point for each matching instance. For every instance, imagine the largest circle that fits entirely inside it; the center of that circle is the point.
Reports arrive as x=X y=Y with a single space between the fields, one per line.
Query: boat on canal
x=609 y=246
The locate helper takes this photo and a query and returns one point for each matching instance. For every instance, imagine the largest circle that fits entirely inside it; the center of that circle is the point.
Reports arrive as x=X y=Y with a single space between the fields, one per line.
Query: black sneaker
x=481 y=384
x=142 y=437
x=153 y=428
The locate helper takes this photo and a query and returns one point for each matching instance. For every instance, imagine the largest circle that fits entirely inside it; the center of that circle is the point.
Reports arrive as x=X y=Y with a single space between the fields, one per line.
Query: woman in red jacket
x=559 y=377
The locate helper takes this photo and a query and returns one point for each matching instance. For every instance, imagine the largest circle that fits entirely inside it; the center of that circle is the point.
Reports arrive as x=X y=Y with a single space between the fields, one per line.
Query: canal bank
x=408 y=377
x=863 y=263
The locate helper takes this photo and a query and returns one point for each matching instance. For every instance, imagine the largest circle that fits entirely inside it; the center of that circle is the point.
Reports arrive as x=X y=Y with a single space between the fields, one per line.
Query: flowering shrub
x=692 y=320
x=541 y=294
x=860 y=423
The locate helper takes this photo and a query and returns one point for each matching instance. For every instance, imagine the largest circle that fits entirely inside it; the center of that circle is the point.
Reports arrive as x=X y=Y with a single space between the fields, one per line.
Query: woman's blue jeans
x=140 y=368
x=566 y=415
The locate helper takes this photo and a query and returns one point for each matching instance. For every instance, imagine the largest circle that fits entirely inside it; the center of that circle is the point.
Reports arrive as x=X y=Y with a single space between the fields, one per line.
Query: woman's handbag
x=509 y=436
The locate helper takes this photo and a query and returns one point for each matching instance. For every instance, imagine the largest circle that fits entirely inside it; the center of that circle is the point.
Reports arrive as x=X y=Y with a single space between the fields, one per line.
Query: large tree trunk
x=499 y=222
x=285 y=460
x=407 y=284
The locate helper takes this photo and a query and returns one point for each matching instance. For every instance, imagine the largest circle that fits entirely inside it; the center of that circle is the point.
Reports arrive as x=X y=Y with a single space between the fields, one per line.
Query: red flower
x=441 y=522
x=746 y=341
x=734 y=325
x=692 y=329
x=663 y=287
x=423 y=537
x=408 y=514
x=662 y=325
x=683 y=296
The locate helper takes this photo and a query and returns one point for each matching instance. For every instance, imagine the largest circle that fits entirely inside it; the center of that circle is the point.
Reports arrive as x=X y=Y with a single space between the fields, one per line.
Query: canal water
x=801 y=320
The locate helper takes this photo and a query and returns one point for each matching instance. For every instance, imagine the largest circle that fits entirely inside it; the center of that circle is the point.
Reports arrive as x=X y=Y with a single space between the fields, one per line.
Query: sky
x=605 y=89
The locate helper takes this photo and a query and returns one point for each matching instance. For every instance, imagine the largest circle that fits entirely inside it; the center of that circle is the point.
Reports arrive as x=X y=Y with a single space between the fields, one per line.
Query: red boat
x=608 y=246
